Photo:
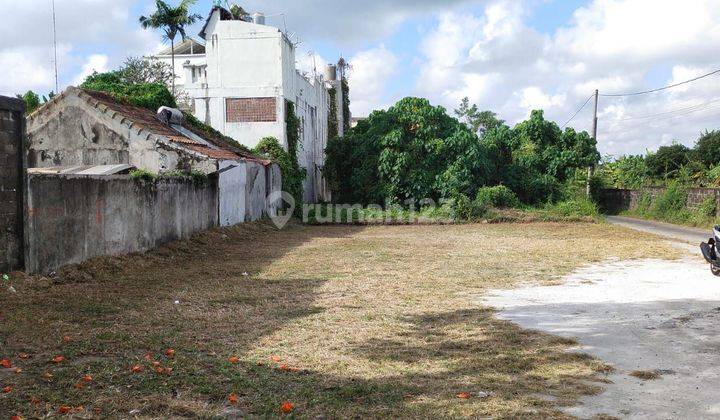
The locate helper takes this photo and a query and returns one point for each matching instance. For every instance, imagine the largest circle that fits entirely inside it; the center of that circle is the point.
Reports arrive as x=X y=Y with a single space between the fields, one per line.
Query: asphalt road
x=680 y=233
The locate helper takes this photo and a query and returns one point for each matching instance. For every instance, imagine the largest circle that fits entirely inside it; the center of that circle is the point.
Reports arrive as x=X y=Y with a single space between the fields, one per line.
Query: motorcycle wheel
x=715 y=270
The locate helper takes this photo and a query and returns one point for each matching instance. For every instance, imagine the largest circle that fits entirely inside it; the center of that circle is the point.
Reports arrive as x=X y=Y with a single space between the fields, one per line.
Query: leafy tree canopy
x=668 y=160
x=707 y=148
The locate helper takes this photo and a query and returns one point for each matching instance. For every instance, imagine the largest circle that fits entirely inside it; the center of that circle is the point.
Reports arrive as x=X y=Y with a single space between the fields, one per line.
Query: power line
x=692 y=108
x=577 y=112
x=662 y=88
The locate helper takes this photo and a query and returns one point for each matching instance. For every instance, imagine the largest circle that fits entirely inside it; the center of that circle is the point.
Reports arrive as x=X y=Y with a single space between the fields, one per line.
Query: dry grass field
x=338 y=321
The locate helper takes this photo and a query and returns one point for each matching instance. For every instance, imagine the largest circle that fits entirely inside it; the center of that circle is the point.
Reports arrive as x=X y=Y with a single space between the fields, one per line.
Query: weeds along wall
x=616 y=201
x=74 y=218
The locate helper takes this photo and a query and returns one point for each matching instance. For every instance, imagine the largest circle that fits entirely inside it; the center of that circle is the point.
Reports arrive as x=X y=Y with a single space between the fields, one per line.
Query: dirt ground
x=309 y=321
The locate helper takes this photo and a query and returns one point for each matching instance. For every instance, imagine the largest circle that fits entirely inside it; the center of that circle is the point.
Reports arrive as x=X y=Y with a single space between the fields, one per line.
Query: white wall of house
x=251 y=66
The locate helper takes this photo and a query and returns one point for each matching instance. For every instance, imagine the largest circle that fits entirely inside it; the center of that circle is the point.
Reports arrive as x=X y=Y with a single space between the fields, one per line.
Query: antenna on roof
x=57 y=88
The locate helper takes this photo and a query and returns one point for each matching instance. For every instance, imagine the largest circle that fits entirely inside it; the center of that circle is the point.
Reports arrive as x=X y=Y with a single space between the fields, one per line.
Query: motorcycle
x=710 y=251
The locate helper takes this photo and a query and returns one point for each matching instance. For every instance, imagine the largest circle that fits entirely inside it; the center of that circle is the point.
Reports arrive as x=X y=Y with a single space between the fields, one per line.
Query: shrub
x=644 y=204
x=469 y=210
x=145 y=95
x=708 y=208
x=672 y=200
x=580 y=207
x=143 y=175
x=498 y=196
x=292 y=174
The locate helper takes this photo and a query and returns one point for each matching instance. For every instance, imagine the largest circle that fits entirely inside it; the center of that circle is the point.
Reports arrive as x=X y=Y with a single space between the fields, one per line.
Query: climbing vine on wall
x=346 y=105
x=333 y=130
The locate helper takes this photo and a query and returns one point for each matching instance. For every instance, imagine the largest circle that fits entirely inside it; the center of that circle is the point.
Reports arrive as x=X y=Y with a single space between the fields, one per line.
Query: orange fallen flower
x=64 y=409
x=170 y=353
x=233 y=399
x=18 y=370
x=5 y=363
x=16 y=418
x=276 y=358
x=287 y=407
x=148 y=356
x=67 y=338
x=287 y=368
x=24 y=356
x=79 y=385
x=86 y=378
x=464 y=395
x=136 y=369
x=7 y=389
x=35 y=400
x=159 y=370
x=58 y=359
x=233 y=359
x=156 y=364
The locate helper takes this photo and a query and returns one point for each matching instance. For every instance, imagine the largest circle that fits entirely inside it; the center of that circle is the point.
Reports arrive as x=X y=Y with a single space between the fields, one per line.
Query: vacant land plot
x=338 y=321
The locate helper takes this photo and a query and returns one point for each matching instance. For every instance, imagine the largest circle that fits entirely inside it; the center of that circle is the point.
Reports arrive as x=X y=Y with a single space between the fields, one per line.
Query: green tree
x=667 y=161
x=32 y=101
x=139 y=70
x=478 y=121
x=171 y=21
x=707 y=148
x=626 y=172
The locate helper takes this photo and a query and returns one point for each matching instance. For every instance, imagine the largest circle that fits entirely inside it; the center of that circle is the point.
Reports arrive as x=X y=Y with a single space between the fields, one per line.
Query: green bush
x=467 y=209
x=146 y=95
x=671 y=201
x=580 y=207
x=708 y=208
x=143 y=175
x=292 y=174
x=498 y=196
x=644 y=204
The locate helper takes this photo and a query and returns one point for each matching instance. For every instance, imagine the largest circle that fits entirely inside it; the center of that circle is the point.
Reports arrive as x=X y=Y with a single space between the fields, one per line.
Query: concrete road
x=680 y=233
x=644 y=315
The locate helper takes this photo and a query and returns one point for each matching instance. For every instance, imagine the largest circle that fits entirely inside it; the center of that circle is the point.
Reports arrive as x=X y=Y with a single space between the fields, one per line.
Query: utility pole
x=591 y=169
x=57 y=88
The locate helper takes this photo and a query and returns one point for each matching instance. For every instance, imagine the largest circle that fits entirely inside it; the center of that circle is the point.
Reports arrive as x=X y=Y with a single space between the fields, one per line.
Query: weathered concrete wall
x=12 y=174
x=232 y=192
x=73 y=132
x=73 y=218
x=614 y=201
x=255 y=188
x=273 y=181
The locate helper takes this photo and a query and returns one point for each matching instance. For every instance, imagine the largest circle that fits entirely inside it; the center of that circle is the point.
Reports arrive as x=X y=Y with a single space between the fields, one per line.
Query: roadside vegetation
x=676 y=169
x=336 y=321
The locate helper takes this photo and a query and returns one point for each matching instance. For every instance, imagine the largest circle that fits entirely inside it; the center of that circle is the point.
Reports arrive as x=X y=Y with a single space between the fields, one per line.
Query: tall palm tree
x=172 y=21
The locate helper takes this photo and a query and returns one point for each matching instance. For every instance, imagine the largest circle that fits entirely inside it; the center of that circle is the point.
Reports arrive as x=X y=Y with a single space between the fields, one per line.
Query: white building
x=240 y=81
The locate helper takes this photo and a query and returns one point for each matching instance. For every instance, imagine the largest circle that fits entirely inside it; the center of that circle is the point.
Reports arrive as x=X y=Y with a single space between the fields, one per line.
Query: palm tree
x=172 y=21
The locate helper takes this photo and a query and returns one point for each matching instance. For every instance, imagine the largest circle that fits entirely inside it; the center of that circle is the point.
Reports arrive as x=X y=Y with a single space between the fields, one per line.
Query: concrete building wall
x=73 y=132
x=232 y=192
x=73 y=218
x=249 y=61
x=255 y=190
x=12 y=175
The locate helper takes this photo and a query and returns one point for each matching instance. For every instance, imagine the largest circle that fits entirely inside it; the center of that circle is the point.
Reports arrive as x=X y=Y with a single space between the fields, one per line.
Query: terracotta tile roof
x=146 y=119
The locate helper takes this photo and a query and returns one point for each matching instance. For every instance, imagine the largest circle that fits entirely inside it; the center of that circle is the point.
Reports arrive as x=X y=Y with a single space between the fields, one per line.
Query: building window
x=238 y=110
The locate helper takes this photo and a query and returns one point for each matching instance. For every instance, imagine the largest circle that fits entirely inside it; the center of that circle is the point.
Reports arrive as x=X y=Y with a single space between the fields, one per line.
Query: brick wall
x=12 y=129
x=615 y=201
x=250 y=110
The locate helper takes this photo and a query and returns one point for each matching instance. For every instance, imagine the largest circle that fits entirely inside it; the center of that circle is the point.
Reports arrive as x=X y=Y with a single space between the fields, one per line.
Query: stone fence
x=12 y=170
x=614 y=201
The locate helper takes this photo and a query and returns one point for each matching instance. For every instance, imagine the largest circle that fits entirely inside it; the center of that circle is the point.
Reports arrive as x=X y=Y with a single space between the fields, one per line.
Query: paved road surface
x=681 y=233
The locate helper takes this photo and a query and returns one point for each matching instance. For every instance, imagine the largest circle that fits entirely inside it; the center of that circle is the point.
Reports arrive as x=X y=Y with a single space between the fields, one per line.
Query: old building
x=241 y=79
x=87 y=128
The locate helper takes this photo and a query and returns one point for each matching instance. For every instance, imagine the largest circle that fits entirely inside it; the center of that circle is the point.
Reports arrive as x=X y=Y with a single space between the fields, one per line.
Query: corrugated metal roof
x=83 y=170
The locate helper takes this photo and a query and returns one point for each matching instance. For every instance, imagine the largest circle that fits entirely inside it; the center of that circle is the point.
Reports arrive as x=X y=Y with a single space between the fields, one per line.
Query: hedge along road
x=657 y=322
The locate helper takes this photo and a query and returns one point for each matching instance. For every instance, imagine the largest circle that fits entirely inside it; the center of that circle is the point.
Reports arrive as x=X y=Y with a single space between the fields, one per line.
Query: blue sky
x=509 y=56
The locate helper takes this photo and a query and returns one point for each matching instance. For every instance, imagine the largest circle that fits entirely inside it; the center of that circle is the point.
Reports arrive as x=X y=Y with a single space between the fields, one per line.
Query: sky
x=508 y=56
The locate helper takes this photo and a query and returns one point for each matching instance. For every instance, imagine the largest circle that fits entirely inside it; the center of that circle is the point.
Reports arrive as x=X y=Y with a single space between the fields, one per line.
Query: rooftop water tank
x=258 y=18
x=331 y=72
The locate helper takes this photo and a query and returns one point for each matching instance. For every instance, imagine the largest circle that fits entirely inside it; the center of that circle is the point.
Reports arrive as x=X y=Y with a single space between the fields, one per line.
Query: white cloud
x=369 y=77
x=95 y=63
x=503 y=64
